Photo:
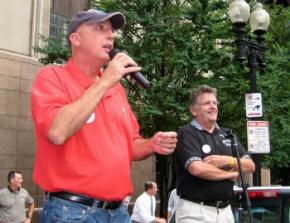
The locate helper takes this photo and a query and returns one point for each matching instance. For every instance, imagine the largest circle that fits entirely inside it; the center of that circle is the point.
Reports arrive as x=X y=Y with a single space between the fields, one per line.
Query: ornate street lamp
x=253 y=51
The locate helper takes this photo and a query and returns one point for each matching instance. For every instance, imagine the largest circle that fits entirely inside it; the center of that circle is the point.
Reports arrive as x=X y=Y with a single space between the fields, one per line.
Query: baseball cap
x=96 y=16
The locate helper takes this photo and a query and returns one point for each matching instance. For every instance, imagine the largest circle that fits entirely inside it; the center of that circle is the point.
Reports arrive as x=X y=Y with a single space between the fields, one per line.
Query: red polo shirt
x=96 y=160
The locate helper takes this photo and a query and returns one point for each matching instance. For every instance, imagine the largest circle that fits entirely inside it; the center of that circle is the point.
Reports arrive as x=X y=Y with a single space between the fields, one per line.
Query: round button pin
x=206 y=148
x=91 y=118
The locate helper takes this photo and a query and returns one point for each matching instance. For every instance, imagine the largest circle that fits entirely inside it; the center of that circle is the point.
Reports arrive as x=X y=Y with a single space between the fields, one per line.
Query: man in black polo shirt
x=205 y=164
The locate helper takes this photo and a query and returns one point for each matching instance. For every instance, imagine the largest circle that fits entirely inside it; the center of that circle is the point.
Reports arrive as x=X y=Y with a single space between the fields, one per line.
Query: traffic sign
x=254 y=106
x=258 y=137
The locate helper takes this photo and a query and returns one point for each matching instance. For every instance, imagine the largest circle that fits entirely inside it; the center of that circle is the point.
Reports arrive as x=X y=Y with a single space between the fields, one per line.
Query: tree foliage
x=54 y=51
x=184 y=43
x=181 y=44
x=275 y=84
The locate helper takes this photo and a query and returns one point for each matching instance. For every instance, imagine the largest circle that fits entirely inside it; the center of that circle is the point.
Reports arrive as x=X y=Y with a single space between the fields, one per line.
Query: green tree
x=184 y=43
x=176 y=43
x=275 y=84
x=54 y=51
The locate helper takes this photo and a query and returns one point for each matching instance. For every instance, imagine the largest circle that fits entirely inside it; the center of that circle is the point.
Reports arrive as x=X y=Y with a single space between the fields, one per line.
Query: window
x=268 y=205
x=263 y=212
x=58 y=28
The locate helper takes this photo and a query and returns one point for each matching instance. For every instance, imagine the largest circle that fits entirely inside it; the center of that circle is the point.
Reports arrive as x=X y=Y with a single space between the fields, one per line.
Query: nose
x=113 y=35
x=213 y=105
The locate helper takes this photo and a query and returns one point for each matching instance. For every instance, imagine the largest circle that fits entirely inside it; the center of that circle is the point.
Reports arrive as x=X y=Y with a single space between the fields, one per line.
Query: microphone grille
x=113 y=53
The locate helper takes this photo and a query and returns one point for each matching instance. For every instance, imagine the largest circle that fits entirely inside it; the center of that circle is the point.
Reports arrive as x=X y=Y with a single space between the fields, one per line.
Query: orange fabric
x=96 y=160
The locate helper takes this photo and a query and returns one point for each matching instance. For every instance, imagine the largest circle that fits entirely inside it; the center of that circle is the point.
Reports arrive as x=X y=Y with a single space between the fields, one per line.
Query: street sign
x=254 y=106
x=258 y=137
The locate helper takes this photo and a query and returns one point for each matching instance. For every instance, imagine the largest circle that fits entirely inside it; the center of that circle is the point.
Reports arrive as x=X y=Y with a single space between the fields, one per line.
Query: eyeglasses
x=104 y=27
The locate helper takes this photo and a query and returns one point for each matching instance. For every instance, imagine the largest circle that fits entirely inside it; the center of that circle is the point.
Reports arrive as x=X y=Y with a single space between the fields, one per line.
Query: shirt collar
x=81 y=77
x=196 y=124
x=148 y=195
x=12 y=191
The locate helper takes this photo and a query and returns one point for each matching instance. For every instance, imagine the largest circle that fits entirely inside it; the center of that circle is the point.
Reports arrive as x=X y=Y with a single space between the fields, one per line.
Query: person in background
x=172 y=204
x=14 y=199
x=145 y=205
x=86 y=133
x=206 y=166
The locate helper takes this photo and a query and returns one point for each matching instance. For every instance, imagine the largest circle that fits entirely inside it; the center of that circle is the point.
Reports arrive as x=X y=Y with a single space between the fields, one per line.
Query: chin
x=213 y=120
x=106 y=58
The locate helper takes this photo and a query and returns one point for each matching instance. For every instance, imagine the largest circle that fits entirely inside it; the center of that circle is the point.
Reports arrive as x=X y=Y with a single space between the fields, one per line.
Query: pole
x=255 y=53
x=252 y=63
x=257 y=173
x=235 y=150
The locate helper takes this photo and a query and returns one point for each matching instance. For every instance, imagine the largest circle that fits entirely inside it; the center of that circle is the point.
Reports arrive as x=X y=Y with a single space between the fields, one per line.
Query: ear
x=74 y=39
x=192 y=110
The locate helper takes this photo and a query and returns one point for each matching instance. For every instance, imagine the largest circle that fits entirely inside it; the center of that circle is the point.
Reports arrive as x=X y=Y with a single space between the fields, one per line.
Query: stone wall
x=16 y=128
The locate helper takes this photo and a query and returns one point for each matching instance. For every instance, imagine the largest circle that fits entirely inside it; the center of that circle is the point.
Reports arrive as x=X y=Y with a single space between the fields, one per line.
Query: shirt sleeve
x=188 y=148
x=170 y=202
x=1 y=197
x=29 y=200
x=47 y=97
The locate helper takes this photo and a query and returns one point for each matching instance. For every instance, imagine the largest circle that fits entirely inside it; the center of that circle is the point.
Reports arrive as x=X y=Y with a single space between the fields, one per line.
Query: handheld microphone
x=137 y=76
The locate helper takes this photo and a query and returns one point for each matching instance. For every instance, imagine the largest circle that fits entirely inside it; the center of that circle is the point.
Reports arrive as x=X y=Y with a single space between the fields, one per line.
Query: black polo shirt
x=193 y=144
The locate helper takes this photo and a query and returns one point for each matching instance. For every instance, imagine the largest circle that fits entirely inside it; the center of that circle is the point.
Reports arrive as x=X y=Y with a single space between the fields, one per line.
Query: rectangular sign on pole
x=258 y=137
x=254 y=106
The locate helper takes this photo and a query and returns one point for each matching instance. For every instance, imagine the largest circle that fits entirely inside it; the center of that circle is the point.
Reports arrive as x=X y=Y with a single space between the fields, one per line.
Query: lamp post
x=253 y=51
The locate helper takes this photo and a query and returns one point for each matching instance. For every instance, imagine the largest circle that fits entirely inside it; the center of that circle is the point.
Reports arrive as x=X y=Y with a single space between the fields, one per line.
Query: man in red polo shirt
x=86 y=132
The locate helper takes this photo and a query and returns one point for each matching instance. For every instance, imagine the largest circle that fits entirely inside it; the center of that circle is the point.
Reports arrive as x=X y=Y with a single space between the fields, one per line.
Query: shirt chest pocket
x=114 y=104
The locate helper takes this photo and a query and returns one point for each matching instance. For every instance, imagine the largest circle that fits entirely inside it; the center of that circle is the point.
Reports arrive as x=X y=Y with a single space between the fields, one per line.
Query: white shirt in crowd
x=142 y=209
x=172 y=202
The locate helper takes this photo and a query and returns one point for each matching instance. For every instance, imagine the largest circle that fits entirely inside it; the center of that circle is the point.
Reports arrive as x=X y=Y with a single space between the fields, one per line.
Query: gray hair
x=200 y=90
